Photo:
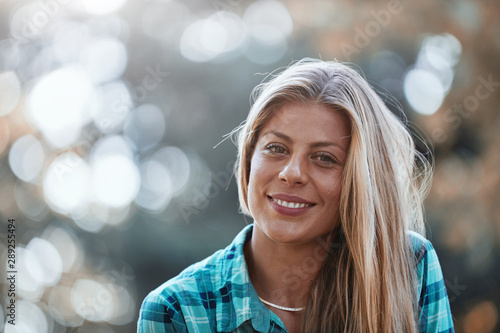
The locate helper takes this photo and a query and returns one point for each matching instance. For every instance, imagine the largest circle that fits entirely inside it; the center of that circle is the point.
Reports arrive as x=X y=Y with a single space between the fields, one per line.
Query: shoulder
x=435 y=314
x=421 y=246
x=190 y=298
x=212 y=273
x=200 y=278
x=183 y=299
x=426 y=258
x=185 y=288
x=206 y=275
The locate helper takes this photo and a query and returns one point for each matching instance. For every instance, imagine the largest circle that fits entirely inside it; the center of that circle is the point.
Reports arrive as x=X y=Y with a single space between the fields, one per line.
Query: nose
x=294 y=171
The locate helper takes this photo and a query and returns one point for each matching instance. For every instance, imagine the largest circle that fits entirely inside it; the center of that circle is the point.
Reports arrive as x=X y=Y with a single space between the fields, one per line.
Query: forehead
x=310 y=122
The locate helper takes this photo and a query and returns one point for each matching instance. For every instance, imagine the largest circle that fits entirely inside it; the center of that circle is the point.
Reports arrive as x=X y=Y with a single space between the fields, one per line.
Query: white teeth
x=290 y=204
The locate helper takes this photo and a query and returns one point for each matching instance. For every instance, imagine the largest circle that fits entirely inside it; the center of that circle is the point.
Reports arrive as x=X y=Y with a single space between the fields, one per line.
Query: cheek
x=262 y=175
x=254 y=180
x=332 y=200
x=331 y=193
x=258 y=170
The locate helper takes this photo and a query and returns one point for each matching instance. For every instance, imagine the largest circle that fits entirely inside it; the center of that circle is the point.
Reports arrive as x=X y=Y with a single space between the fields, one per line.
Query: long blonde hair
x=367 y=284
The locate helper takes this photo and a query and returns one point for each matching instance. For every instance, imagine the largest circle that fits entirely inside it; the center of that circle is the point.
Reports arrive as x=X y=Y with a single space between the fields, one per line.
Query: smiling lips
x=284 y=203
x=289 y=204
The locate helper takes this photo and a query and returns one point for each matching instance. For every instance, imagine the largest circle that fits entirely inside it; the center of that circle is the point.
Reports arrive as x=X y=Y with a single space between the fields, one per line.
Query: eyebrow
x=313 y=145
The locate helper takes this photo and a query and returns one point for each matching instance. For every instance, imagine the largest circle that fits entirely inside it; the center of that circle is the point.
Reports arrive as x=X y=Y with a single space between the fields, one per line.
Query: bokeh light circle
x=424 y=91
x=31 y=319
x=10 y=92
x=44 y=263
x=59 y=105
x=28 y=287
x=206 y=39
x=26 y=158
x=145 y=126
x=67 y=184
x=104 y=59
x=115 y=180
x=99 y=7
x=268 y=21
x=92 y=300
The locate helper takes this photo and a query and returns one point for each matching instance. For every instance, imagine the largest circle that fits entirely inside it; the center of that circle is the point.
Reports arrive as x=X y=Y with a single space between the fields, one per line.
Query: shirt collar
x=245 y=301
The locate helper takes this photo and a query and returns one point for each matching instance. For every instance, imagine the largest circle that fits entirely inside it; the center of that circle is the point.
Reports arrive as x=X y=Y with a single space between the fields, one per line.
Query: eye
x=275 y=148
x=326 y=158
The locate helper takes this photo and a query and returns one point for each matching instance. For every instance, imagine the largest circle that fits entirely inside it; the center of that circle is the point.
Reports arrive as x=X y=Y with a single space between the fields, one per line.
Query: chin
x=281 y=231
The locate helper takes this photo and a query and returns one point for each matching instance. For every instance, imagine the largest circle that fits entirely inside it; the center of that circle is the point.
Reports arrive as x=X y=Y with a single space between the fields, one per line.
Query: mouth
x=289 y=205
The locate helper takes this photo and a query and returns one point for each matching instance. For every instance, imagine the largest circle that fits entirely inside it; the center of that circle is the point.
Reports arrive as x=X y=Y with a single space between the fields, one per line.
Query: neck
x=283 y=273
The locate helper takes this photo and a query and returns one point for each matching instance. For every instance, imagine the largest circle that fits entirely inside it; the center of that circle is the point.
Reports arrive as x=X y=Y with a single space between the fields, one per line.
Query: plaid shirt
x=216 y=295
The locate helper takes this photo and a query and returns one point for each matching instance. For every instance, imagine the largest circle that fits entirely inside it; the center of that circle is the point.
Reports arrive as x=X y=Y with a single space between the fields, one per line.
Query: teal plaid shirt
x=216 y=295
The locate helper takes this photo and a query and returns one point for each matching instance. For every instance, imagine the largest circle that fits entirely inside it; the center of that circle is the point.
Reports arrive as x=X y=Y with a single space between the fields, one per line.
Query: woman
x=335 y=187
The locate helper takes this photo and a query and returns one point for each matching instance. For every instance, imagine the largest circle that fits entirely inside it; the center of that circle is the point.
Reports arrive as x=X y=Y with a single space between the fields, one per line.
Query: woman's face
x=296 y=172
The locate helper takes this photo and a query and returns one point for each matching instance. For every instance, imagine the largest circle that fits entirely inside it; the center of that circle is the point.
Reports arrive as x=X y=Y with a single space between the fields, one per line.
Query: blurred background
x=110 y=112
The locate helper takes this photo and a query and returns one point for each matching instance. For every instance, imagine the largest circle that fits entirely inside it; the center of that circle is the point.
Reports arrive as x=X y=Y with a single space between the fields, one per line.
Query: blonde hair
x=367 y=283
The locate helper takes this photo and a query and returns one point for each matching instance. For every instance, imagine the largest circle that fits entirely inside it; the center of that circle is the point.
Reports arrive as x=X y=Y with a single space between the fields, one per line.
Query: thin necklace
x=284 y=308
